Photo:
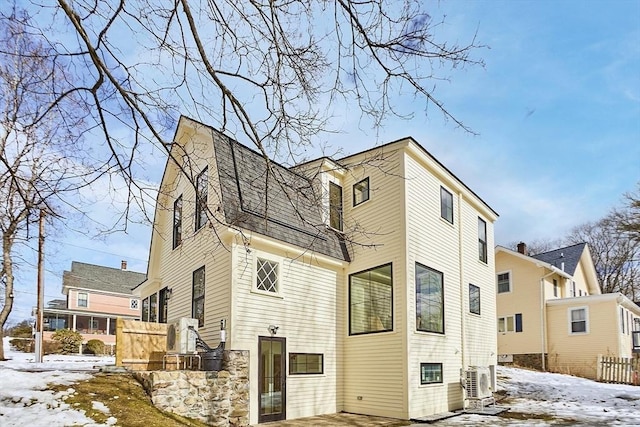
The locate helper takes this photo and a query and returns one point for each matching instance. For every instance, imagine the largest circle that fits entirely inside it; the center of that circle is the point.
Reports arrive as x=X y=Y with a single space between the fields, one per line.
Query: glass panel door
x=271 y=382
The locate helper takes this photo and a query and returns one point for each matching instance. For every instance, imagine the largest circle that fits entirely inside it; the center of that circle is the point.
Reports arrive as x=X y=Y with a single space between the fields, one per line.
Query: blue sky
x=556 y=110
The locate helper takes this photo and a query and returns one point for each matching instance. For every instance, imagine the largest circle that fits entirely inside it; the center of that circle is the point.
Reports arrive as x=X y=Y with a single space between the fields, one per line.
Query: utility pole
x=40 y=318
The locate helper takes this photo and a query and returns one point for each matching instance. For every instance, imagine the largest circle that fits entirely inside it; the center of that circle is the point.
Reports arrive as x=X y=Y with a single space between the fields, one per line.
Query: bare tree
x=628 y=217
x=37 y=160
x=271 y=74
x=615 y=255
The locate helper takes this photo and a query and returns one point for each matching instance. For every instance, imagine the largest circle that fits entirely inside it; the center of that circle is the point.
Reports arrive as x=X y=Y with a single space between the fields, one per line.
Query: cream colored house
x=364 y=284
x=551 y=314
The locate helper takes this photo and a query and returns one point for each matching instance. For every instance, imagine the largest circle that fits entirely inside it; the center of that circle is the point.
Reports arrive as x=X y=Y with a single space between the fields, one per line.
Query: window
x=504 y=282
x=202 y=190
x=482 y=240
x=153 y=308
x=474 y=299
x=622 y=319
x=555 y=287
x=446 y=205
x=177 y=222
x=429 y=300
x=335 y=206
x=163 y=305
x=361 y=192
x=430 y=373
x=134 y=304
x=83 y=299
x=197 y=305
x=510 y=323
x=145 y=309
x=578 y=320
x=267 y=276
x=306 y=363
x=370 y=301
x=573 y=289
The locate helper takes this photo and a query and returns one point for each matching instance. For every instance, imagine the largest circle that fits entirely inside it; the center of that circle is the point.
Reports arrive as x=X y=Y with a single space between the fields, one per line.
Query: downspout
x=543 y=319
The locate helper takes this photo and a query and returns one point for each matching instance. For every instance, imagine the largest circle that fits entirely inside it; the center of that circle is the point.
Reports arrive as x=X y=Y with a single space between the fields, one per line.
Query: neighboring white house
x=363 y=284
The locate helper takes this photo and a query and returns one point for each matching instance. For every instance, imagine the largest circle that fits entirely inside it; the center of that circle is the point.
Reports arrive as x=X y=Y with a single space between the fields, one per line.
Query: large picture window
x=177 y=222
x=335 y=206
x=202 y=191
x=306 y=363
x=429 y=300
x=482 y=240
x=370 y=301
x=197 y=305
x=446 y=205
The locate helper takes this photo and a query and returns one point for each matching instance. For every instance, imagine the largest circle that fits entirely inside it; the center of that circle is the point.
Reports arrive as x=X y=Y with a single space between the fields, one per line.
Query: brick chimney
x=522 y=248
x=123 y=265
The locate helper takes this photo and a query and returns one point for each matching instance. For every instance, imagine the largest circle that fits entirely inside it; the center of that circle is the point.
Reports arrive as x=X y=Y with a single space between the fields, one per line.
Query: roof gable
x=565 y=259
x=99 y=278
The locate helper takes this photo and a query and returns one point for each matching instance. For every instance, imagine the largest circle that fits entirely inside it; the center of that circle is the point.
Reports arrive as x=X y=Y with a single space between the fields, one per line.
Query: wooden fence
x=140 y=345
x=619 y=370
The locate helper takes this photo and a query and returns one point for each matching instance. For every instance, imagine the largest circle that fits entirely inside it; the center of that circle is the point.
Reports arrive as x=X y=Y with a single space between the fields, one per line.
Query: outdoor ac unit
x=179 y=338
x=478 y=381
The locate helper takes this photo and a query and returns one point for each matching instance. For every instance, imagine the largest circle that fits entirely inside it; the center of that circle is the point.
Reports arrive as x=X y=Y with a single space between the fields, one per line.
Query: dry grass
x=126 y=400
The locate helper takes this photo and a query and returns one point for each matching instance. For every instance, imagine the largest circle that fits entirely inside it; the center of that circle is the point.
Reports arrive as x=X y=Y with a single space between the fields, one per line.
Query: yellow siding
x=374 y=371
x=525 y=298
x=305 y=312
x=451 y=249
x=177 y=266
x=577 y=353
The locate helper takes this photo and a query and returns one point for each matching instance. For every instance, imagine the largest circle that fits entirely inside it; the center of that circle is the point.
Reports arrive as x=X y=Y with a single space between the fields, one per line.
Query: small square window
x=267 y=276
x=446 y=205
x=361 y=192
x=430 y=373
x=134 y=304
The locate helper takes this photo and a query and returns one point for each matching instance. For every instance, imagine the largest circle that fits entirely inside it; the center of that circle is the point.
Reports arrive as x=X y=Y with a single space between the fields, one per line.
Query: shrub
x=25 y=345
x=51 y=347
x=68 y=340
x=95 y=347
x=21 y=330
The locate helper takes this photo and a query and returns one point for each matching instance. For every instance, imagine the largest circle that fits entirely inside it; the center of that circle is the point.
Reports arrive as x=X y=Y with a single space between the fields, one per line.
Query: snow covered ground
x=550 y=399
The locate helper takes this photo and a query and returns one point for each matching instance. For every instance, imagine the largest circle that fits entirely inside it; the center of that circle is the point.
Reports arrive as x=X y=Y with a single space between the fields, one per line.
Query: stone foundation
x=220 y=399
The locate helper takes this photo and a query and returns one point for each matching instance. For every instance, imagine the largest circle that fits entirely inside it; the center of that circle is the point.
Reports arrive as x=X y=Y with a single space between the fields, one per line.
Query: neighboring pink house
x=96 y=296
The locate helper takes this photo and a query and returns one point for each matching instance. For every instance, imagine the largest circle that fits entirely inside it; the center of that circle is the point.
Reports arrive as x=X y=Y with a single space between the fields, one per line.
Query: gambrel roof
x=272 y=200
x=99 y=278
x=566 y=259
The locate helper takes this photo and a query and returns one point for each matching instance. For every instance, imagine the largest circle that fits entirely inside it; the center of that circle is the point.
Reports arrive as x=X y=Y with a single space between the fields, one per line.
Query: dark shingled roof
x=99 y=278
x=569 y=255
x=254 y=199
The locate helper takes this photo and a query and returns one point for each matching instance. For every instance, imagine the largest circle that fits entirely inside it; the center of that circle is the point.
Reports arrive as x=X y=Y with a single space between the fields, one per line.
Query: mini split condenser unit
x=478 y=383
x=179 y=338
